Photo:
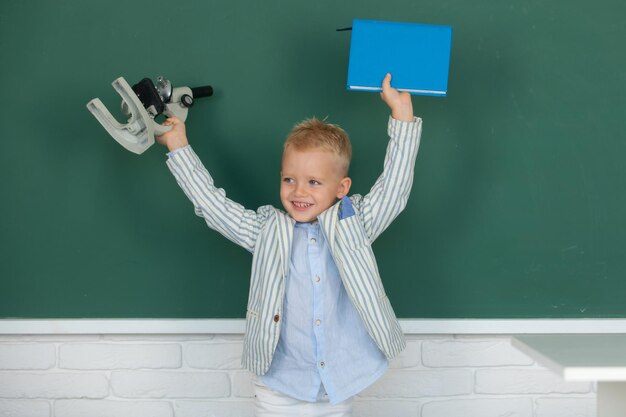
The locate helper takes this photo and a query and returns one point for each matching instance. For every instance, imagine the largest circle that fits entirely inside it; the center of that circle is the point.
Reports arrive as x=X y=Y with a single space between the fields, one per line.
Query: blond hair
x=318 y=134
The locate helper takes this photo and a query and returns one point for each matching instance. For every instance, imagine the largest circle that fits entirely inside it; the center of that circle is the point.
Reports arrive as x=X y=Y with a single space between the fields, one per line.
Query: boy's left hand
x=399 y=103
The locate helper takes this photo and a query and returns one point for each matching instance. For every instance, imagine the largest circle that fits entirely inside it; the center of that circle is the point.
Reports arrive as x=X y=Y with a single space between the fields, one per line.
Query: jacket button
x=276 y=318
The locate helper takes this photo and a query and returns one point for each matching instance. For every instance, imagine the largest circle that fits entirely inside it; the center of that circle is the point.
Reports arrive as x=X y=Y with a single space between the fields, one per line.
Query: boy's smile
x=311 y=182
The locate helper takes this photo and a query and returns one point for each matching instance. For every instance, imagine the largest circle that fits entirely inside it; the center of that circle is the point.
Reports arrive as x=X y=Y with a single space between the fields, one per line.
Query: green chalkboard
x=517 y=208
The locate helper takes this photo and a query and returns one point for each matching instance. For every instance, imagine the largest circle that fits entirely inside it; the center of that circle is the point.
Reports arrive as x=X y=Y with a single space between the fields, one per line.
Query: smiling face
x=311 y=181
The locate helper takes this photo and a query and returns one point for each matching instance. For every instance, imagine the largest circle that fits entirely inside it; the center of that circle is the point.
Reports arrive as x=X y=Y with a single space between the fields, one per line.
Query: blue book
x=416 y=55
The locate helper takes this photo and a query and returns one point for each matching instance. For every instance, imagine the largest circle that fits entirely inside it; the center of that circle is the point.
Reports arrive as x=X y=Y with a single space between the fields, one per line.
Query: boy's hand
x=176 y=137
x=399 y=103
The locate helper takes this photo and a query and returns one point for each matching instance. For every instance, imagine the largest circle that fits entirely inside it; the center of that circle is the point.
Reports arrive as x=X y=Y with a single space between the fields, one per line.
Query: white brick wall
x=200 y=376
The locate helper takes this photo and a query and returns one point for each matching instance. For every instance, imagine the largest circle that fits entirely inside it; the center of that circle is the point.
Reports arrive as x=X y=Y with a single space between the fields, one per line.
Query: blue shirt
x=323 y=342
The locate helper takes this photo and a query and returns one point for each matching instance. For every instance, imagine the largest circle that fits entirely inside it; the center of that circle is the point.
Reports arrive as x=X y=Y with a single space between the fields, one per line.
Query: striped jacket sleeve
x=390 y=193
x=227 y=217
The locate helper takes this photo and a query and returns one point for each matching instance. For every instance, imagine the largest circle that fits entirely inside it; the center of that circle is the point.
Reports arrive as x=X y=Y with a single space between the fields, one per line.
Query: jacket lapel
x=285 y=235
x=328 y=221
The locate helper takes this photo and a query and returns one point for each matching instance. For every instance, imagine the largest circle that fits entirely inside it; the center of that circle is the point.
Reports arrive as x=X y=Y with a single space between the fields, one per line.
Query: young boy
x=319 y=327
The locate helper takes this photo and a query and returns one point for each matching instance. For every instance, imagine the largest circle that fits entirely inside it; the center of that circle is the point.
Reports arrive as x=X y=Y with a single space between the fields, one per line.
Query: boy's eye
x=288 y=180
x=314 y=182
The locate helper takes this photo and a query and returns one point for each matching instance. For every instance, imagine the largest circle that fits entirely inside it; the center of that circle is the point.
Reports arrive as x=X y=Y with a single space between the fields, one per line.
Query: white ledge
x=237 y=326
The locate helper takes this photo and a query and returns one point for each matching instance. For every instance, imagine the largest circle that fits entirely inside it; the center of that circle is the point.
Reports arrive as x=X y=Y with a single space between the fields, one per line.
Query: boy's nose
x=299 y=191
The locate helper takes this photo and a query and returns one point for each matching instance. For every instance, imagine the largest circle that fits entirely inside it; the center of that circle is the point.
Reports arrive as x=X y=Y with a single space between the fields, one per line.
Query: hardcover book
x=416 y=55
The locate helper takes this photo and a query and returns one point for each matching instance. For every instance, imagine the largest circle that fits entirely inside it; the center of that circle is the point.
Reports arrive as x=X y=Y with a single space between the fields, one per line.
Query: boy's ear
x=344 y=187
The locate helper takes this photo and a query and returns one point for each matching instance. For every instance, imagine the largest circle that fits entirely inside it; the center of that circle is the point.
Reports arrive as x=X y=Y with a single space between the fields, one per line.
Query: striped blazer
x=349 y=226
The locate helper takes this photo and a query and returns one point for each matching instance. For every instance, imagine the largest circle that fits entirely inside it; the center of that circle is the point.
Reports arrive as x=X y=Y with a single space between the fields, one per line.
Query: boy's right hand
x=176 y=137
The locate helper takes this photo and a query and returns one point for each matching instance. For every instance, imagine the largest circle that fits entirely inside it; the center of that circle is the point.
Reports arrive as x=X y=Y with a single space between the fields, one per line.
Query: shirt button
x=276 y=318
x=318 y=322
x=322 y=364
x=317 y=279
x=313 y=241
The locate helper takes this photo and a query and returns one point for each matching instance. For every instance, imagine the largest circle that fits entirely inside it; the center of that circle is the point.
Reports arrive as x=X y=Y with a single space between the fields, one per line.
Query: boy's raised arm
x=390 y=193
x=221 y=214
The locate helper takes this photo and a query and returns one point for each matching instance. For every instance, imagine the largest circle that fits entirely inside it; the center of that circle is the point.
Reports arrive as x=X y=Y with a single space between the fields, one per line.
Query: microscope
x=142 y=103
